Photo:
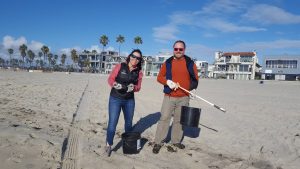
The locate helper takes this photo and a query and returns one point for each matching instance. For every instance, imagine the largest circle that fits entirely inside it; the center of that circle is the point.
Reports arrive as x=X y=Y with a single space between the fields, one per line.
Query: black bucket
x=131 y=142
x=190 y=116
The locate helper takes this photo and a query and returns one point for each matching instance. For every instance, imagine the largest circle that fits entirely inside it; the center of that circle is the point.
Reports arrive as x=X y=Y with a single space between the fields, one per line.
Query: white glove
x=192 y=95
x=130 y=87
x=171 y=84
x=117 y=86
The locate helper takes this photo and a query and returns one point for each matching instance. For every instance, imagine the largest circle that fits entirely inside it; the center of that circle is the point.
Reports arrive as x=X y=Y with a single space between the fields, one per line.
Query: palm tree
x=31 y=56
x=63 y=59
x=87 y=63
x=45 y=51
x=94 y=51
x=50 y=56
x=2 y=61
x=74 y=56
x=40 y=57
x=104 y=41
x=120 y=40
x=86 y=51
x=138 y=40
x=23 y=49
x=37 y=63
x=10 y=51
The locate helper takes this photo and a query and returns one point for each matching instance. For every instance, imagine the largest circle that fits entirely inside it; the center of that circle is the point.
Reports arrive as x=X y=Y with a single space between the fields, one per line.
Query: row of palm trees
x=52 y=58
x=23 y=49
x=120 y=39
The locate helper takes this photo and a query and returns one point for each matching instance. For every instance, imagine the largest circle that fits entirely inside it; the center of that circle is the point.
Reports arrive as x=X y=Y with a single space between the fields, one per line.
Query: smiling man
x=178 y=70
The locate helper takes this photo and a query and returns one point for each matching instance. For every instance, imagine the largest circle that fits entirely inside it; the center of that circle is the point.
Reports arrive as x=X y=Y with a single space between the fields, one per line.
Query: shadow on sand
x=192 y=132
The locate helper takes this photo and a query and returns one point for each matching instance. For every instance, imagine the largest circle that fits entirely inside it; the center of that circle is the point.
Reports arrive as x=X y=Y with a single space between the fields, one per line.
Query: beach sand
x=58 y=120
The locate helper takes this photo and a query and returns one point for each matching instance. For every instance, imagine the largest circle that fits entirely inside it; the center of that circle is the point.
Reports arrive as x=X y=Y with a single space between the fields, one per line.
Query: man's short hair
x=179 y=41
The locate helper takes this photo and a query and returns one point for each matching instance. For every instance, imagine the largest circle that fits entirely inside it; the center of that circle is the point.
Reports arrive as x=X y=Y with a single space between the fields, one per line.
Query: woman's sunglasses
x=135 y=57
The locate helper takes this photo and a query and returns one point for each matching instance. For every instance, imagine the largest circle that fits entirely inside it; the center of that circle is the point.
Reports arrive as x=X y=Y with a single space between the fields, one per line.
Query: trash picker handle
x=218 y=107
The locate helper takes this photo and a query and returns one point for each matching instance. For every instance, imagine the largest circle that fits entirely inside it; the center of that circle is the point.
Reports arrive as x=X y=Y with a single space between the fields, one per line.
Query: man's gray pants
x=171 y=106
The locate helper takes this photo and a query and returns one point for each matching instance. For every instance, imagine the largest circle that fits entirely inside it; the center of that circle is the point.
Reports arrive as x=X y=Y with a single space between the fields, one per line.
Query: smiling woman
x=125 y=79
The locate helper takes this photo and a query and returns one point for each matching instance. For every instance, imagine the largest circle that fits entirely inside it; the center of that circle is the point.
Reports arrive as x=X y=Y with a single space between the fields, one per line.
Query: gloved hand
x=130 y=87
x=172 y=85
x=117 y=86
x=192 y=95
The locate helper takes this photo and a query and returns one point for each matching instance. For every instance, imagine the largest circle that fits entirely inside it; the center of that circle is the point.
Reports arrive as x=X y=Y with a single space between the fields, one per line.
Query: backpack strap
x=190 y=67
x=167 y=90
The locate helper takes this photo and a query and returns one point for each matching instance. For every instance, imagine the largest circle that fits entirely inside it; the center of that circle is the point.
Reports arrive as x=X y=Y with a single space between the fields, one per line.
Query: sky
x=269 y=27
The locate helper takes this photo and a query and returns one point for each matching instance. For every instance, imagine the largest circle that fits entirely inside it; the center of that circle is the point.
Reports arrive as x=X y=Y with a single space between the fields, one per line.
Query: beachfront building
x=281 y=68
x=108 y=60
x=147 y=65
x=155 y=63
x=202 y=68
x=101 y=62
x=210 y=71
x=235 y=65
x=92 y=59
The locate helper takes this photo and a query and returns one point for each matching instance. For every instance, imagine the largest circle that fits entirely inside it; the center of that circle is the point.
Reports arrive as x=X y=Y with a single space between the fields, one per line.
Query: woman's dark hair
x=139 y=65
x=179 y=41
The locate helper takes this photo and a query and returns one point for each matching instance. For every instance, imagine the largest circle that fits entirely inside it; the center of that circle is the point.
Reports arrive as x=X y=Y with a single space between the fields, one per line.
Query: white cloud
x=94 y=47
x=11 y=42
x=67 y=51
x=224 y=26
x=182 y=17
x=201 y=52
x=165 y=33
x=110 y=48
x=268 y=14
x=14 y=43
x=277 y=44
x=216 y=16
x=35 y=46
x=221 y=7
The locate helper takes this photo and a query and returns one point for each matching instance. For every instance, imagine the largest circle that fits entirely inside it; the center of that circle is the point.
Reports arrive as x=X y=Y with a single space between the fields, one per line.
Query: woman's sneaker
x=156 y=148
x=108 y=150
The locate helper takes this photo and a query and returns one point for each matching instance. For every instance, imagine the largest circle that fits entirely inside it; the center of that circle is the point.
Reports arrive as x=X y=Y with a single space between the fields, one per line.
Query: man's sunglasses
x=135 y=57
x=178 y=49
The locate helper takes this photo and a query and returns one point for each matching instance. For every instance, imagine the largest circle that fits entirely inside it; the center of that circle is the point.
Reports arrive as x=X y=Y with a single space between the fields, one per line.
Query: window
x=294 y=63
x=281 y=64
x=244 y=68
x=246 y=59
x=161 y=59
x=227 y=58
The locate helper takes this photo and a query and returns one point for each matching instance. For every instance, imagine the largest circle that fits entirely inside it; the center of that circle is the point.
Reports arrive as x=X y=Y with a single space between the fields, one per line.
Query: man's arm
x=161 y=77
x=196 y=71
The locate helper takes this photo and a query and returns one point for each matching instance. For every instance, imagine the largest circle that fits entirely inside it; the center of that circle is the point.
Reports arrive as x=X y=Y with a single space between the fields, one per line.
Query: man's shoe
x=171 y=148
x=179 y=145
x=156 y=148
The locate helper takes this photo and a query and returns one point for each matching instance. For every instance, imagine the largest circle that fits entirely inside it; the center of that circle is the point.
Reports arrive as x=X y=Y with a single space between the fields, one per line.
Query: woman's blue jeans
x=115 y=105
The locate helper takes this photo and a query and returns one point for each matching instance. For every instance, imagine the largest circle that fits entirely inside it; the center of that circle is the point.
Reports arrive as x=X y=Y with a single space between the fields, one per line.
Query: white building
x=235 y=65
x=202 y=68
x=103 y=62
x=154 y=65
x=211 y=70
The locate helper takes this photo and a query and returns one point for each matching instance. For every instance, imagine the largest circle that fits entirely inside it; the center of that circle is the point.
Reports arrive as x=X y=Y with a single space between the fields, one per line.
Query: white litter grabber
x=218 y=107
